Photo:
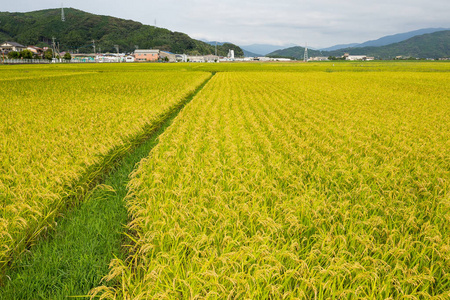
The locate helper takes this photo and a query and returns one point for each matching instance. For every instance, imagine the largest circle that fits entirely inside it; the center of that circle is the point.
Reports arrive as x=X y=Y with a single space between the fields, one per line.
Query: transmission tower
x=305 y=55
x=63 y=17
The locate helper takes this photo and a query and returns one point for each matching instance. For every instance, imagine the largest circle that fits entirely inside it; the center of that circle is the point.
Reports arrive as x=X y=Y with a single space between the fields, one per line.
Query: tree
x=26 y=54
x=48 y=54
x=67 y=56
x=13 y=55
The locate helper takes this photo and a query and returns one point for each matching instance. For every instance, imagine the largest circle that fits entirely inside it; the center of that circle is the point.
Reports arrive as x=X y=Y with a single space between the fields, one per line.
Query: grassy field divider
x=74 y=192
x=47 y=76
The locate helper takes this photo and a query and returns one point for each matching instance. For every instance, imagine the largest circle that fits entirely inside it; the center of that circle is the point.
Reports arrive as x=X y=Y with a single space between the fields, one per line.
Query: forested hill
x=295 y=52
x=432 y=45
x=81 y=28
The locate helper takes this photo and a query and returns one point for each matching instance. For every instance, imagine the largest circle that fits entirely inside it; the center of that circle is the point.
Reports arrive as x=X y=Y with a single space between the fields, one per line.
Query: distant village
x=139 y=55
x=12 y=52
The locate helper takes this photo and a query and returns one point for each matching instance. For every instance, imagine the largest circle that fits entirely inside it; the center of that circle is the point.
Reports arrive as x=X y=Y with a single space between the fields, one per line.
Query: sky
x=319 y=23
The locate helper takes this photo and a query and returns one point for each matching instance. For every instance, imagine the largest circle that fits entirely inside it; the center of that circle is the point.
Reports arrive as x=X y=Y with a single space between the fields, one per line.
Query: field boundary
x=47 y=76
x=76 y=191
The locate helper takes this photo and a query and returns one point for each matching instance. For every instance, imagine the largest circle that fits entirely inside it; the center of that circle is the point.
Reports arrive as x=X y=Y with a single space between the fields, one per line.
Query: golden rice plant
x=59 y=131
x=288 y=185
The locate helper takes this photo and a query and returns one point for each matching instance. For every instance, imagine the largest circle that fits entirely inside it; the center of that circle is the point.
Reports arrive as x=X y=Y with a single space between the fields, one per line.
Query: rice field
x=283 y=185
x=60 y=130
x=276 y=181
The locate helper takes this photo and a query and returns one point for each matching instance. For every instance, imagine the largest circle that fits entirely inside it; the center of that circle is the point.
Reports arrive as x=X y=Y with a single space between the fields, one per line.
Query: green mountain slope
x=433 y=45
x=80 y=28
x=296 y=52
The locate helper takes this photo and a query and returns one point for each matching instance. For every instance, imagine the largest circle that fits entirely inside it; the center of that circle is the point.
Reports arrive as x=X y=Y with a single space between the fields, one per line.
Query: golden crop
x=59 y=130
x=275 y=185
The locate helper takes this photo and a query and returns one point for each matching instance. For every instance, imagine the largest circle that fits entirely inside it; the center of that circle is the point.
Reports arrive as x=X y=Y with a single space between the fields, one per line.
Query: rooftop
x=13 y=44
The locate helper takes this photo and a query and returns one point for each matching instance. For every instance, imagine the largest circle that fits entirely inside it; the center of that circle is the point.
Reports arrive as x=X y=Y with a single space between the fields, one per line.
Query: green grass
x=72 y=260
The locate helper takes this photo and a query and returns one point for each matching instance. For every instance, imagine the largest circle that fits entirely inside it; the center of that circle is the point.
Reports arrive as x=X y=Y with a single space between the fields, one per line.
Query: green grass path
x=72 y=260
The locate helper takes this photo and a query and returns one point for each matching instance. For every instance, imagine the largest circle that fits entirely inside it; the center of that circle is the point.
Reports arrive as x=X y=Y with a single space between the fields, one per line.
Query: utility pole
x=3 y=52
x=117 y=48
x=216 y=49
x=93 y=44
x=58 y=51
x=53 y=48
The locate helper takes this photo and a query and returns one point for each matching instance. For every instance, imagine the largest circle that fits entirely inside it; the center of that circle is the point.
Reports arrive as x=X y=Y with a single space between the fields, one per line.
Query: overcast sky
x=320 y=23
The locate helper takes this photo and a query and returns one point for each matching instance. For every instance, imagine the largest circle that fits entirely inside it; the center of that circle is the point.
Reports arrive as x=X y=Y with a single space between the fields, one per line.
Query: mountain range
x=263 y=49
x=431 y=45
x=386 y=40
x=246 y=52
x=81 y=30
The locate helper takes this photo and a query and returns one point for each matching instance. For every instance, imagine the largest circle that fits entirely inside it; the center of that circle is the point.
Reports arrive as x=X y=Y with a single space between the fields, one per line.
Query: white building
x=195 y=58
x=318 y=58
x=181 y=57
x=11 y=46
x=211 y=58
x=231 y=54
x=357 y=57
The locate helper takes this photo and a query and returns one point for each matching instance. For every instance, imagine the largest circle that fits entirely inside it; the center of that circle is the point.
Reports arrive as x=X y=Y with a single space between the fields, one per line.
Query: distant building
x=181 y=57
x=110 y=57
x=245 y=59
x=146 y=55
x=230 y=54
x=318 y=58
x=357 y=57
x=211 y=58
x=170 y=56
x=36 y=50
x=7 y=47
x=84 y=57
x=281 y=59
x=263 y=58
x=195 y=58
